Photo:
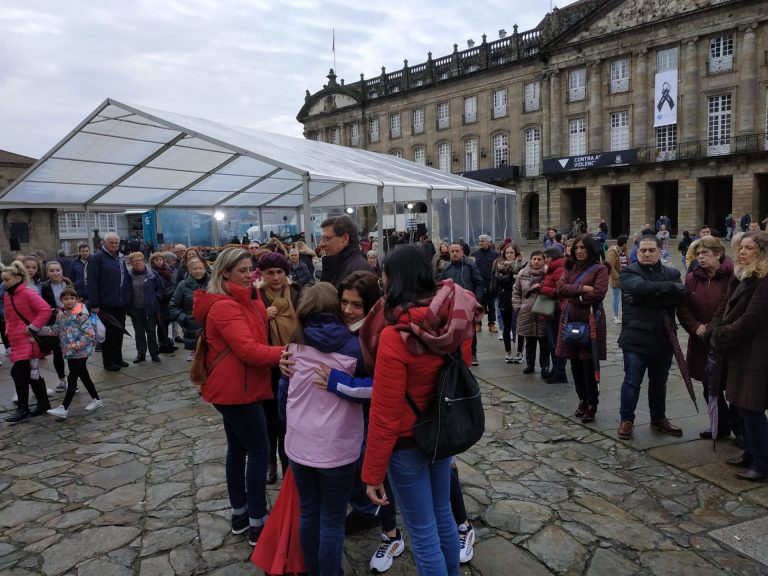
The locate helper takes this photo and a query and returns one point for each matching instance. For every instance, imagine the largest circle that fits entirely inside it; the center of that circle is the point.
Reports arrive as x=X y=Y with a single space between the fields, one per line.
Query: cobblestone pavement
x=137 y=487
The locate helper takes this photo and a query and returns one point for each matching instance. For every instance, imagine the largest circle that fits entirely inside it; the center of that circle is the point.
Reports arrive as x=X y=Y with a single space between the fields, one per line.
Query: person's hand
x=587 y=289
x=377 y=494
x=286 y=364
x=701 y=331
x=271 y=312
x=323 y=374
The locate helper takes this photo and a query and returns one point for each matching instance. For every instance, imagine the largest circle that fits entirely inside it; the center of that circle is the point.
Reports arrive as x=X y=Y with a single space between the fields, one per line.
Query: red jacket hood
x=203 y=300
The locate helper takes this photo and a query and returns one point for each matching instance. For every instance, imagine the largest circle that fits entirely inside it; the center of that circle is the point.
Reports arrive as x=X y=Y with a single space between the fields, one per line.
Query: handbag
x=45 y=343
x=576 y=333
x=544 y=306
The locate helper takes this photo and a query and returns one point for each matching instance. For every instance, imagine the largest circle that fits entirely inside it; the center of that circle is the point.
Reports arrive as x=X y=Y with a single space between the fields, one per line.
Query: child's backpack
x=455 y=420
x=198 y=371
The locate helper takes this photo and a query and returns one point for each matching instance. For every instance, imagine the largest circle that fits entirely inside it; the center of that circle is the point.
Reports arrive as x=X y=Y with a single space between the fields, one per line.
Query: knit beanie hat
x=274 y=260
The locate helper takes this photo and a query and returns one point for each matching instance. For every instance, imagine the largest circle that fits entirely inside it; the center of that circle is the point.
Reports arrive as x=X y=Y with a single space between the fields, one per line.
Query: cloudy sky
x=244 y=62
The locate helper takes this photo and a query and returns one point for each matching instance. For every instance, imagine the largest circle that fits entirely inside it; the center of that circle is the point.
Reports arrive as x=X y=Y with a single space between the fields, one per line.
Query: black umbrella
x=110 y=320
x=679 y=356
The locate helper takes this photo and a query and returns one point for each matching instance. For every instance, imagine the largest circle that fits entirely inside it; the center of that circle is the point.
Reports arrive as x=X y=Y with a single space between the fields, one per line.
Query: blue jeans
x=756 y=439
x=246 y=430
x=635 y=366
x=423 y=492
x=324 y=494
x=616 y=301
x=499 y=321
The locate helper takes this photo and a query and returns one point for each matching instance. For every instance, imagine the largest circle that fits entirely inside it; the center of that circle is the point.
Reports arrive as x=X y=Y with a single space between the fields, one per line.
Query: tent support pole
x=430 y=215
x=466 y=235
x=380 y=219
x=261 y=226
x=88 y=227
x=307 y=228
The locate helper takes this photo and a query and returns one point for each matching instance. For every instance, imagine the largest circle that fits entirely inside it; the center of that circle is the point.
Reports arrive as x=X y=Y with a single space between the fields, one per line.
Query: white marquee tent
x=134 y=157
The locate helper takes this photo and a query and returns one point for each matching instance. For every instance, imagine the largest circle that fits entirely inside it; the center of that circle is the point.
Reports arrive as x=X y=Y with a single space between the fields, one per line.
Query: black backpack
x=455 y=420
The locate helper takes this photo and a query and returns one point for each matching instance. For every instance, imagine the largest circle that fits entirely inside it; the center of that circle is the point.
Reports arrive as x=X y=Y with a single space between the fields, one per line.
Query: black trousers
x=21 y=372
x=489 y=305
x=78 y=368
x=587 y=388
x=112 y=347
x=58 y=362
x=145 y=328
x=530 y=351
x=3 y=335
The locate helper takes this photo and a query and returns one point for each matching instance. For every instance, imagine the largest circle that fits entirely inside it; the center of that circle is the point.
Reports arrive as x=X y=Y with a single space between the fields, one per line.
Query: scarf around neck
x=281 y=327
x=449 y=319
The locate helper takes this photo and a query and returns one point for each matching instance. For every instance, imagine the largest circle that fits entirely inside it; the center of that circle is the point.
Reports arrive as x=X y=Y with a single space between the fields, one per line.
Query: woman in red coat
x=407 y=333
x=21 y=301
x=239 y=361
x=583 y=287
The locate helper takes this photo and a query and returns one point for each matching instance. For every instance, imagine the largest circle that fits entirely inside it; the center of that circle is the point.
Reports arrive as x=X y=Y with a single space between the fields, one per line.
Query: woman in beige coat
x=529 y=325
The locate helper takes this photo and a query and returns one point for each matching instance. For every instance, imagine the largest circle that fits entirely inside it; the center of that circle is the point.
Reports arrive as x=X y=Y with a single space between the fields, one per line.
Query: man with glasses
x=341 y=247
x=650 y=294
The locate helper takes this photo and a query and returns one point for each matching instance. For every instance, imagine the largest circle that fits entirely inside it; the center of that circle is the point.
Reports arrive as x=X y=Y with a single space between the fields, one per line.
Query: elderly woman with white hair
x=373 y=261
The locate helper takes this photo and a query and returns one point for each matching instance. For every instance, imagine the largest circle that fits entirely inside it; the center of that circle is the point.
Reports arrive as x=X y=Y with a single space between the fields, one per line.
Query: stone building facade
x=616 y=109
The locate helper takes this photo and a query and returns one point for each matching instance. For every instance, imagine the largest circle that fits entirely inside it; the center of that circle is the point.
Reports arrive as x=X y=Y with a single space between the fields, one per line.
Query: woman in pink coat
x=24 y=306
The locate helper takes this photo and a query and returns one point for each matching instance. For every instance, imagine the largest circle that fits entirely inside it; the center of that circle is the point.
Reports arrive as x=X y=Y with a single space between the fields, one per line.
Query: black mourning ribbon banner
x=665 y=89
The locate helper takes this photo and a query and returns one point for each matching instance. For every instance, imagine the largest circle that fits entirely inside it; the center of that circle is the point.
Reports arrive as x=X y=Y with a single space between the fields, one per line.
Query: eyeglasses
x=703 y=251
x=328 y=238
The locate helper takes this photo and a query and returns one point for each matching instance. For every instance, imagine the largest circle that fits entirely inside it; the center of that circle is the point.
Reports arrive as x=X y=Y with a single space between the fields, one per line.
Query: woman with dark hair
x=404 y=339
x=165 y=277
x=441 y=258
x=740 y=337
x=239 y=361
x=508 y=265
x=582 y=289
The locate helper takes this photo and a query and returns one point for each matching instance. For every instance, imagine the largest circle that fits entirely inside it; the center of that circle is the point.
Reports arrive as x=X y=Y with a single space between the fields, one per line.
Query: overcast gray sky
x=243 y=62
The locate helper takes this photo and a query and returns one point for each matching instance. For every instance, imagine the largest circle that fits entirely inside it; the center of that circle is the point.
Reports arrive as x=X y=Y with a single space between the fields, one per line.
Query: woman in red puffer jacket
x=239 y=361
x=21 y=301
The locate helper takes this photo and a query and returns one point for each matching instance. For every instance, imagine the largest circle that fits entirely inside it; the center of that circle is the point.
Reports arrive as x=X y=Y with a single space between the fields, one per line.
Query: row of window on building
x=719 y=129
x=82 y=224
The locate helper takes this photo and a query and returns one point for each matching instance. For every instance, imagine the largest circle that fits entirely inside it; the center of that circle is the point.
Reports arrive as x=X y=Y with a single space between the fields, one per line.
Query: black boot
x=18 y=415
x=43 y=405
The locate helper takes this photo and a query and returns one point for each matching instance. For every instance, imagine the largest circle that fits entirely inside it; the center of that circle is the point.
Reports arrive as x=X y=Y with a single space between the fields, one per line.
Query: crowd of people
x=310 y=357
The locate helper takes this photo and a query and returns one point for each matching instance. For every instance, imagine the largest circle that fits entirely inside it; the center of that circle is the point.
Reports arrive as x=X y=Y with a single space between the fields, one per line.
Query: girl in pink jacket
x=24 y=307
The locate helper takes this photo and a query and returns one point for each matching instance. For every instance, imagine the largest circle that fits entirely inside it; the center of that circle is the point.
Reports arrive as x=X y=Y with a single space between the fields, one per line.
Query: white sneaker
x=518 y=359
x=190 y=357
x=501 y=336
x=49 y=392
x=77 y=388
x=466 y=543
x=388 y=550
x=59 y=412
x=616 y=320
x=93 y=404
x=508 y=358
x=61 y=386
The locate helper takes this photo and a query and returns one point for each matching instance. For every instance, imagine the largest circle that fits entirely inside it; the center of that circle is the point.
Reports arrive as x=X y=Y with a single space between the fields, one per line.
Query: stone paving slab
x=747 y=537
x=137 y=488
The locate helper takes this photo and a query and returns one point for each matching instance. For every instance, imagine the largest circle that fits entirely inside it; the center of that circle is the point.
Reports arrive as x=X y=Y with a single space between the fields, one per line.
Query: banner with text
x=665 y=98
x=601 y=160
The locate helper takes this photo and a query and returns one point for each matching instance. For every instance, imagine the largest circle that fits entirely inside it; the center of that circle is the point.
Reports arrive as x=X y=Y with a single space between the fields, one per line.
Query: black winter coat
x=465 y=274
x=337 y=268
x=180 y=308
x=484 y=260
x=647 y=293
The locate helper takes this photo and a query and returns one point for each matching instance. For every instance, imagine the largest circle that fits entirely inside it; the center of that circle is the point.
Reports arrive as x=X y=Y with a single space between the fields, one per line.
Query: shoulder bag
x=576 y=333
x=544 y=306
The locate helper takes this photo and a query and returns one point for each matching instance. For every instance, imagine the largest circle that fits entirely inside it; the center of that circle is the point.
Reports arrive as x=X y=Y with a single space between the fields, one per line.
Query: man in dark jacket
x=341 y=245
x=109 y=292
x=463 y=272
x=77 y=270
x=650 y=293
x=484 y=257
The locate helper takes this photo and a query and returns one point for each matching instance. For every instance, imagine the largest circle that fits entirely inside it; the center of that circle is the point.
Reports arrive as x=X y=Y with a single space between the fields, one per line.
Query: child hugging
x=77 y=336
x=324 y=431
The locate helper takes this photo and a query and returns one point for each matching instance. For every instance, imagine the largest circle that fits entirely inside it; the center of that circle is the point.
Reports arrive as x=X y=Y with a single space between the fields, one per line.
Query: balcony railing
x=499 y=111
x=470 y=118
x=742 y=144
x=619 y=85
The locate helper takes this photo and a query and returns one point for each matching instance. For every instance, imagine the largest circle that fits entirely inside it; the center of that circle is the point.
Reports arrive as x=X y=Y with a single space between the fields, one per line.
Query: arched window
x=418 y=156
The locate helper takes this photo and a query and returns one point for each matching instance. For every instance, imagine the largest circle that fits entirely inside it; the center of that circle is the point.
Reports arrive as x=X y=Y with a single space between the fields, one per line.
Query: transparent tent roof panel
x=197 y=198
x=200 y=144
x=38 y=193
x=96 y=148
x=178 y=158
x=128 y=196
x=77 y=172
x=247 y=166
x=224 y=182
x=158 y=178
x=125 y=129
